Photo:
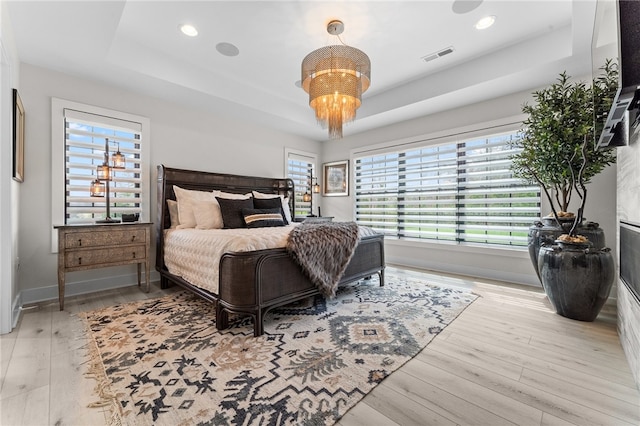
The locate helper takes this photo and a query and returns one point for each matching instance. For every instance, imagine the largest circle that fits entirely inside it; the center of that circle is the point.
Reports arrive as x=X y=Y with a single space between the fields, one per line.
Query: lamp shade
x=97 y=189
x=103 y=172
x=118 y=160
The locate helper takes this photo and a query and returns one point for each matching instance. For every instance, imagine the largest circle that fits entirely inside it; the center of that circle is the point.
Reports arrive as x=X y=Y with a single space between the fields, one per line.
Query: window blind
x=85 y=136
x=300 y=169
x=460 y=192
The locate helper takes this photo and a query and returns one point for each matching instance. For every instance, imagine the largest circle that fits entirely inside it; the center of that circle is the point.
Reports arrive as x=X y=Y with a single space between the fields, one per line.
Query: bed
x=250 y=282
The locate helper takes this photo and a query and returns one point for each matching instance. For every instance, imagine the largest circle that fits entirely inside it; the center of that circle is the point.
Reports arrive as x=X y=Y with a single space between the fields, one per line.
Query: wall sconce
x=104 y=174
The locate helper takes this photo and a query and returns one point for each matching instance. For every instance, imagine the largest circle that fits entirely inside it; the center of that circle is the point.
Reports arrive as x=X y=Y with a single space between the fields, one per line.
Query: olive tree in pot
x=577 y=277
x=558 y=153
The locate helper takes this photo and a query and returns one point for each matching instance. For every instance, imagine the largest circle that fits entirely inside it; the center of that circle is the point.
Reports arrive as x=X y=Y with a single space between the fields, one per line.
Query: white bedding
x=194 y=254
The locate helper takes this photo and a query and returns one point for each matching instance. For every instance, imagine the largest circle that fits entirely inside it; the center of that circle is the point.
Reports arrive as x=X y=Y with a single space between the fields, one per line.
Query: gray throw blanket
x=323 y=250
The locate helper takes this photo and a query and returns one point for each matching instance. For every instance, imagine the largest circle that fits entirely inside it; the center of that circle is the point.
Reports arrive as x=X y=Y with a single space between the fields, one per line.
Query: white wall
x=495 y=263
x=9 y=189
x=180 y=137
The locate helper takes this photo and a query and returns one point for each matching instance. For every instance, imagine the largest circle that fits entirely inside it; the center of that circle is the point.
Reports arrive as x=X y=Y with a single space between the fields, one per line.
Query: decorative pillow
x=173 y=213
x=270 y=203
x=285 y=203
x=232 y=216
x=286 y=209
x=207 y=214
x=230 y=195
x=185 y=198
x=262 y=218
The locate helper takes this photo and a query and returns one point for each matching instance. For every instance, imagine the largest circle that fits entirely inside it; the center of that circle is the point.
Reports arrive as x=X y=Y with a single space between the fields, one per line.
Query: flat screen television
x=616 y=35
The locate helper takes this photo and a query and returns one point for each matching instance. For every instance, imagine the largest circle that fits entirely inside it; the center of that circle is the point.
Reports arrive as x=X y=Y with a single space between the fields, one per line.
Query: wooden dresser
x=82 y=247
x=314 y=219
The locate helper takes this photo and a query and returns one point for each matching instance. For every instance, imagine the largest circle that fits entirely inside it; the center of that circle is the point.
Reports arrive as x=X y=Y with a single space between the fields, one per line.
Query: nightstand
x=318 y=219
x=314 y=219
x=82 y=247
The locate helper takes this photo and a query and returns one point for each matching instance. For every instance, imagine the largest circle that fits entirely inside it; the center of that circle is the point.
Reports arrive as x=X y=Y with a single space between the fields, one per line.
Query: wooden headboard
x=206 y=181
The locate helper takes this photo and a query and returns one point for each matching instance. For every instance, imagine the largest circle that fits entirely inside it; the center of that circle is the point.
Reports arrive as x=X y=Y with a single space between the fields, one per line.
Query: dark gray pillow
x=270 y=203
x=231 y=210
x=262 y=218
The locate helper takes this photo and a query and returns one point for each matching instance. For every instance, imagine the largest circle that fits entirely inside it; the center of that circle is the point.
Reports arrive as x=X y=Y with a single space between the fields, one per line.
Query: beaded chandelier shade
x=335 y=77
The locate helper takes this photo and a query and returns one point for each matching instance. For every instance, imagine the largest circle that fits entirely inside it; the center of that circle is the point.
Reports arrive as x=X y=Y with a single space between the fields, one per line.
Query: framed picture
x=335 y=178
x=18 y=137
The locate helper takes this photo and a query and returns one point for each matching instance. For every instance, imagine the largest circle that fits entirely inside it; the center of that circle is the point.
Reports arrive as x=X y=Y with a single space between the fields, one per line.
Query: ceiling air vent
x=438 y=54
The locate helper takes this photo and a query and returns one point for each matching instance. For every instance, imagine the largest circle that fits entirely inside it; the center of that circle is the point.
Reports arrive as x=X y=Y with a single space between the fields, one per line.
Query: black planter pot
x=577 y=278
x=546 y=231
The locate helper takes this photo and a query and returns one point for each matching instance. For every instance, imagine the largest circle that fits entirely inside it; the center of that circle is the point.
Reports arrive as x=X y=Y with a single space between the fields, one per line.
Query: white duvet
x=194 y=254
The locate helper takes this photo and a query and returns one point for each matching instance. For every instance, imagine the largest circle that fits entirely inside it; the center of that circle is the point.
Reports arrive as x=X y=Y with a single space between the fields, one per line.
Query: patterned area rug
x=162 y=361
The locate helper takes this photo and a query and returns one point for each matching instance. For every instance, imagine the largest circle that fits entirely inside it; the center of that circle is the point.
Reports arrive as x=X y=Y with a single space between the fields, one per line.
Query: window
x=78 y=146
x=85 y=139
x=301 y=168
x=460 y=191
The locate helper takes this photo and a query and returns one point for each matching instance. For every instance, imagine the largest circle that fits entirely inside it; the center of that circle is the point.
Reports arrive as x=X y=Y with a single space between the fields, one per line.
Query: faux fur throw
x=323 y=250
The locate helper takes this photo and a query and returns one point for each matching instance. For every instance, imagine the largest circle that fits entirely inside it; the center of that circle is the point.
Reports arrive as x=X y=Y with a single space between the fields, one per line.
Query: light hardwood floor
x=507 y=359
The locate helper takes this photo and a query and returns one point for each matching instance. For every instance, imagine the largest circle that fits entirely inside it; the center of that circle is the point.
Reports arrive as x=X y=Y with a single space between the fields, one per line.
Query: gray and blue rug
x=163 y=361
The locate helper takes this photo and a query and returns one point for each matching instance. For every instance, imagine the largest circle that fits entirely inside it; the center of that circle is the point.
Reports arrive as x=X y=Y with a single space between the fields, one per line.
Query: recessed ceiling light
x=188 y=29
x=485 y=22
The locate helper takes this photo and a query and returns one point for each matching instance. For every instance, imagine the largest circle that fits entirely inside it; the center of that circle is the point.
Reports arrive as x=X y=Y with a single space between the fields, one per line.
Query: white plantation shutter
x=458 y=191
x=300 y=169
x=85 y=135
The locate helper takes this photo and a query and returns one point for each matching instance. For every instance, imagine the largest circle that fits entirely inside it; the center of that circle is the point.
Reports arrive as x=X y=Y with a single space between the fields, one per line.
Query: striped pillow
x=270 y=203
x=262 y=218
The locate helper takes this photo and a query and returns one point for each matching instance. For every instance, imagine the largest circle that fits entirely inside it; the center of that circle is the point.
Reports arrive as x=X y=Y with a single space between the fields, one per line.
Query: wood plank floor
x=506 y=360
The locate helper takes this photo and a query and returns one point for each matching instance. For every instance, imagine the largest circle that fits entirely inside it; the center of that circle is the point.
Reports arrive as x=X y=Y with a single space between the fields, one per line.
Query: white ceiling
x=136 y=45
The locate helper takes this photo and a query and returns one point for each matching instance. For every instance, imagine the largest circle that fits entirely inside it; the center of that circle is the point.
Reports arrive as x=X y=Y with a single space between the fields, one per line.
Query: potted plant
x=558 y=153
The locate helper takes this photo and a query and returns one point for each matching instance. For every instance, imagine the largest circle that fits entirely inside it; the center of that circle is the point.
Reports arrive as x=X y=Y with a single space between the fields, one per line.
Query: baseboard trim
x=16 y=310
x=43 y=294
x=489 y=274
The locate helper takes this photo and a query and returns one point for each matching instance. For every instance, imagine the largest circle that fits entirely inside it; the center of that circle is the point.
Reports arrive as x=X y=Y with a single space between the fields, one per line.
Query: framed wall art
x=335 y=178
x=18 y=137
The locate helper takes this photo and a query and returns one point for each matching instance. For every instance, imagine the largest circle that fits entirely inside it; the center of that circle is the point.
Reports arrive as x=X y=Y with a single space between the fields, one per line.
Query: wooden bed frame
x=253 y=282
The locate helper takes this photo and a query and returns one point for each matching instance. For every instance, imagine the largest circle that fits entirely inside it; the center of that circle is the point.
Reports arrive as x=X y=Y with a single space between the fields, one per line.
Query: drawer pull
x=134 y=254
x=79 y=261
x=133 y=238
x=80 y=241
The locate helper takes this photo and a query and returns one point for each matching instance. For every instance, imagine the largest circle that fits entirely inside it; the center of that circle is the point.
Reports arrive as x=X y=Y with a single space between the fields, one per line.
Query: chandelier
x=335 y=77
